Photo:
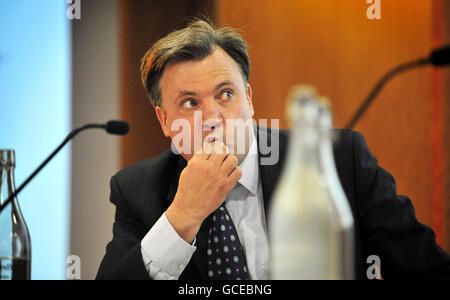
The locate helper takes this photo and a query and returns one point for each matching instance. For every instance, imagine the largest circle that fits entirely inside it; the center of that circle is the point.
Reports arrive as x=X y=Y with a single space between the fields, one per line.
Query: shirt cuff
x=164 y=252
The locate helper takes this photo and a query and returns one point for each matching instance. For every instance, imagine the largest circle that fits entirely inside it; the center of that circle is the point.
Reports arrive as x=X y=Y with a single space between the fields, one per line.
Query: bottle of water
x=344 y=226
x=15 y=244
x=306 y=217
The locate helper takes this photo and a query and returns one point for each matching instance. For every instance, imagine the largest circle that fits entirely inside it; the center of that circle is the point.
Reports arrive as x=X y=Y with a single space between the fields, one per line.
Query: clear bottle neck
x=304 y=147
x=329 y=170
x=325 y=150
x=304 y=142
x=7 y=184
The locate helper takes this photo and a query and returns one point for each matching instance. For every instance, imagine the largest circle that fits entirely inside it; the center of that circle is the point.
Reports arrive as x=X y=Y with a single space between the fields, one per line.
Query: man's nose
x=211 y=114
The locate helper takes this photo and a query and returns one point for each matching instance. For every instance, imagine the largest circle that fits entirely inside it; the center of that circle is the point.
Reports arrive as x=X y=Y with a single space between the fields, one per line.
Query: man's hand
x=204 y=184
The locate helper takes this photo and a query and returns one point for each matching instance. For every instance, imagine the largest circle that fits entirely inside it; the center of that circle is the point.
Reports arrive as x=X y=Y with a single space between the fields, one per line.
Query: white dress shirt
x=166 y=254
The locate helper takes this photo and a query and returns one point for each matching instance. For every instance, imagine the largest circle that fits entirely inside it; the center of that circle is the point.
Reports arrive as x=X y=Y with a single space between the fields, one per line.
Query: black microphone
x=112 y=127
x=439 y=58
x=117 y=127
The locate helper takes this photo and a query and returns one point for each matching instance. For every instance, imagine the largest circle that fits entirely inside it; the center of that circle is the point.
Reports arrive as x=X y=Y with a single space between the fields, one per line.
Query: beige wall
x=95 y=154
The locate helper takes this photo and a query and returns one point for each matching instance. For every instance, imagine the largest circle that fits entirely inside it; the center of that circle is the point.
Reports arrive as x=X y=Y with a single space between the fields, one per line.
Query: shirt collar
x=249 y=167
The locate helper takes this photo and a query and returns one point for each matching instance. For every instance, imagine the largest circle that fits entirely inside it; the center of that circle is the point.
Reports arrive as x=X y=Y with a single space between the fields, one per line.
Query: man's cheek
x=181 y=136
x=237 y=134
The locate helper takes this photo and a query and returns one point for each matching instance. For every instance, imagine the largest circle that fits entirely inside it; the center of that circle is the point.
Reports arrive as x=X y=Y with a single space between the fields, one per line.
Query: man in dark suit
x=167 y=207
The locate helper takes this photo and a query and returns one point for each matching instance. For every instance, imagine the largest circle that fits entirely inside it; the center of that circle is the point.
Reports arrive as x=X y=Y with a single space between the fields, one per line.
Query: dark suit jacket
x=385 y=223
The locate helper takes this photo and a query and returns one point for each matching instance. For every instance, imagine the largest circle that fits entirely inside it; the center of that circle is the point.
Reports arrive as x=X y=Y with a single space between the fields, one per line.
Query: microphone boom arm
x=403 y=67
x=66 y=140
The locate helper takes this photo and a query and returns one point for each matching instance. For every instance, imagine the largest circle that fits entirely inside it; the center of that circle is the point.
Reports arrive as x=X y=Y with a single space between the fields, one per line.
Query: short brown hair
x=192 y=43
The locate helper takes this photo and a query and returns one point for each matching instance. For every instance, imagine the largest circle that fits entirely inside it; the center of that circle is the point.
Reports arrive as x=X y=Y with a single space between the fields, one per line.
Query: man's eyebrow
x=218 y=87
x=224 y=83
x=185 y=93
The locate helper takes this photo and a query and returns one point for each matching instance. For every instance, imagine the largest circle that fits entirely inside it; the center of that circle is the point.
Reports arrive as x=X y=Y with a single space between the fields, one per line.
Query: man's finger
x=229 y=164
x=219 y=153
x=201 y=154
x=235 y=175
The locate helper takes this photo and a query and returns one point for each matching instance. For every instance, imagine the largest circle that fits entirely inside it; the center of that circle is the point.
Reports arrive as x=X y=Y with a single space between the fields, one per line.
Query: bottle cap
x=325 y=102
x=7 y=158
x=302 y=104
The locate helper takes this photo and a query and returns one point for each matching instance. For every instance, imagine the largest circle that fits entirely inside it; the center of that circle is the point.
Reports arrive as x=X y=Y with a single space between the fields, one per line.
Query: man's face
x=212 y=90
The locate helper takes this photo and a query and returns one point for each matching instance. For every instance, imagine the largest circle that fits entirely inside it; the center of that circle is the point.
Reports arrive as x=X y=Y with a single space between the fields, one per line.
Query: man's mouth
x=210 y=139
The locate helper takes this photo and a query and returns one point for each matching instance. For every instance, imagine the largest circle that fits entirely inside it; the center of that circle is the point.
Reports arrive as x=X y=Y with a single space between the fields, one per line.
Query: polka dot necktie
x=226 y=260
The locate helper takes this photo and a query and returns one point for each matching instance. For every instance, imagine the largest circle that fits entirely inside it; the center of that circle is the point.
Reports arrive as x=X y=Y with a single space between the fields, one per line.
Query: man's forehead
x=213 y=70
x=191 y=92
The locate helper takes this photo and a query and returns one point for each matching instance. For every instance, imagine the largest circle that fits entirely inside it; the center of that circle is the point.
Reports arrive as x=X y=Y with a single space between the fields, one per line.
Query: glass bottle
x=344 y=225
x=15 y=244
x=305 y=222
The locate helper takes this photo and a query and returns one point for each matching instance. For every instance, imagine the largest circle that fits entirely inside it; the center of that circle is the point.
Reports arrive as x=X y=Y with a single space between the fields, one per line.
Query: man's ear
x=162 y=118
x=249 y=98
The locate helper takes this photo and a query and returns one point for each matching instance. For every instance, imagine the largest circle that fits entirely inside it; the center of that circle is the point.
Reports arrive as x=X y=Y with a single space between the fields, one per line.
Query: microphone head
x=441 y=56
x=117 y=127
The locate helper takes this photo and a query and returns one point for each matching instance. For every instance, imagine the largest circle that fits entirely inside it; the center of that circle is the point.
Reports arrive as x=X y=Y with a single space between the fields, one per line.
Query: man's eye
x=226 y=95
x=189 y=103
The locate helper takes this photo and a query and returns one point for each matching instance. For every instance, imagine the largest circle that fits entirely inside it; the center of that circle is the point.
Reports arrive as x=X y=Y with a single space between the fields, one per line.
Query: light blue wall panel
x=35 y=117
